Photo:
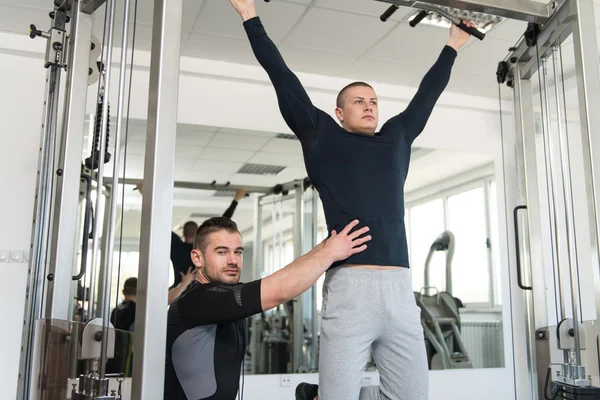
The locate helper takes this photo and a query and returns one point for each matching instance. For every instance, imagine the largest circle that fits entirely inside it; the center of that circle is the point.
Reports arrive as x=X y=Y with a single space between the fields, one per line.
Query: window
x=426 y=223
x=276 y=257
x=470 y=267
x=464 y=211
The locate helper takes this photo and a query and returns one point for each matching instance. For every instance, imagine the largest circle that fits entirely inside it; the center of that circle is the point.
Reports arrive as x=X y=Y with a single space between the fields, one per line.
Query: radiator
x=484 y=342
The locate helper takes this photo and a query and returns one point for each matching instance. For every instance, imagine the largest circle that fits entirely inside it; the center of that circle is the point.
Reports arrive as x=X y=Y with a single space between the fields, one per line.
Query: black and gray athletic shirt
x=358 y=176
x=206 y=340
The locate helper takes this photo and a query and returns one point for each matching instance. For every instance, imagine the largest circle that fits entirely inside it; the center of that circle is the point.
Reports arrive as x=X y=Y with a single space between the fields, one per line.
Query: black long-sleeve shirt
x=181 y=251
x=358 y=176
x=206 y=340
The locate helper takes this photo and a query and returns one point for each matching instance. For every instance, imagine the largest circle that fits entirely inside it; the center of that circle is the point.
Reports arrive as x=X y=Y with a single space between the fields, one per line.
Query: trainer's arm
x=218 y=304
x=293 y=280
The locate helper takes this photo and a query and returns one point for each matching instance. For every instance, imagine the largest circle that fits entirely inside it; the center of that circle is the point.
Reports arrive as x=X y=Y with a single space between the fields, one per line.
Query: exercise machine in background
x=440 y=315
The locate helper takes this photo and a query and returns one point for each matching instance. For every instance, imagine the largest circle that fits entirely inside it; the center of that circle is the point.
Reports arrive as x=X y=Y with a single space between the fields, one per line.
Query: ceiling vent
x=288 y=136
x=199 y=217
x=260 y=169
x=224 y=193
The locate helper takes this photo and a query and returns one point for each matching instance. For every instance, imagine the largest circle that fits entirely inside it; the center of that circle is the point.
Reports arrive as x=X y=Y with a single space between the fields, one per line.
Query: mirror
x=452 y=228
x=453 y=245
x=451 y=222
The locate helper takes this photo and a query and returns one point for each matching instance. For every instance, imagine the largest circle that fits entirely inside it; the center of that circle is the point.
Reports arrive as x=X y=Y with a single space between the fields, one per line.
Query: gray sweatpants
x=364 y=310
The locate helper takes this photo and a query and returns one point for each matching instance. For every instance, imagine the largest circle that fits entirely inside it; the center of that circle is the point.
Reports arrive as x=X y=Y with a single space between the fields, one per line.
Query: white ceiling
x=332 y=37
x=206 y=154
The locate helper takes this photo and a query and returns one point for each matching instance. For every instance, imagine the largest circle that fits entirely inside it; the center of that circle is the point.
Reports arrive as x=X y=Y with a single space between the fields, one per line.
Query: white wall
x=21 y=115
x=227 y=95
x=268 y=387
x=482 y=384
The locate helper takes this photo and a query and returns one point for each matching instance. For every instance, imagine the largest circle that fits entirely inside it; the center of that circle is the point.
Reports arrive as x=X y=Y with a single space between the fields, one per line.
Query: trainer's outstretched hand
x=245 y=8
x=340 y=246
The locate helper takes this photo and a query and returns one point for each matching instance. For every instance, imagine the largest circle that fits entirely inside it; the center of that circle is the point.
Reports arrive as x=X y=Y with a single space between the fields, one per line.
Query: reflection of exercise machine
x=276 y=341
x=439 y=314
x=286 y=341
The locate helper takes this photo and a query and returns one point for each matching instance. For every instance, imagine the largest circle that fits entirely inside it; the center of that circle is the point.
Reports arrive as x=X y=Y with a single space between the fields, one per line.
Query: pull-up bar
x=283 y=188
x=525 y=10
x=425 y=10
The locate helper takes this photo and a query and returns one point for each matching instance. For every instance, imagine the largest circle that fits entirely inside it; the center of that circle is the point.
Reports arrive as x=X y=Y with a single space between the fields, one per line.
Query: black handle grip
x=420 y=17
x=33 y=31
x=472 y=31
x=389 y=12
x=86 y=226
x=517 y=243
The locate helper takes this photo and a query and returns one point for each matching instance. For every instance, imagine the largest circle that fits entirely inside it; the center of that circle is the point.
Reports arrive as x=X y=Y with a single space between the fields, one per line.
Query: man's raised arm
x=412 y=121
x=296 y=108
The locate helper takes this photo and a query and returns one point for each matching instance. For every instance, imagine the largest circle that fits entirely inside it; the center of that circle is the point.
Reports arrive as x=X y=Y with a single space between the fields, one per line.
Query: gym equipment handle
x=517 y=246
x=86 y=226
x=471 y=30
x=420 y=17
x=389 y=12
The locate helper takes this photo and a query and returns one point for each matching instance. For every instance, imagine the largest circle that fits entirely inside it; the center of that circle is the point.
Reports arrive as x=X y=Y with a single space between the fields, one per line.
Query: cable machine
x=61 y=347
x=550 y=243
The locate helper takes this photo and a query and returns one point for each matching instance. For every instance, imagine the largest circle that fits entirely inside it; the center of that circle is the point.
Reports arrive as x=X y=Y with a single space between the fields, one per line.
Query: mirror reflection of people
x=123 y=319
x=206 y=325
x=360 y=174
x=181 y=247
x=186 y=280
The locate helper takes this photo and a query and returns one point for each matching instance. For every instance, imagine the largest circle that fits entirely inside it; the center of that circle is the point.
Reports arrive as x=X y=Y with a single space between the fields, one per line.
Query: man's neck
x=129 y=298
x=200 y=278
x=358 y=133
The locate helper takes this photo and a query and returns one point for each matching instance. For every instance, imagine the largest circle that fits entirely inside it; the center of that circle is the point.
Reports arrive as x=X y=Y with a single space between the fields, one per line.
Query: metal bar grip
x=471 y=30
x=420 y=17
x=86 y=227
x=389 y=12
x=517 y=247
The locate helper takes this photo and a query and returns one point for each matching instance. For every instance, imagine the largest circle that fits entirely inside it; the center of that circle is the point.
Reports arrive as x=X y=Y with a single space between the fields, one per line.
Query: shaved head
x=341 y=98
